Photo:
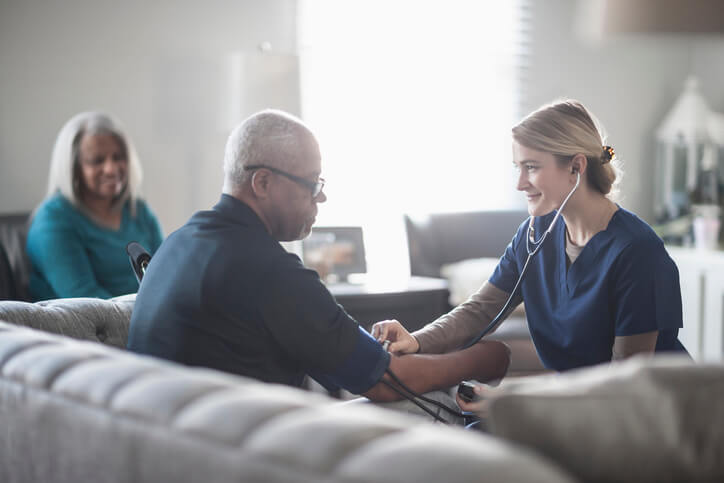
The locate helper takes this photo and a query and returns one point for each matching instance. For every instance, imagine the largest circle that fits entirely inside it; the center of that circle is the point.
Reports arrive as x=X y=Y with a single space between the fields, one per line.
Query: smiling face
x=102 y=167
x=544 y=182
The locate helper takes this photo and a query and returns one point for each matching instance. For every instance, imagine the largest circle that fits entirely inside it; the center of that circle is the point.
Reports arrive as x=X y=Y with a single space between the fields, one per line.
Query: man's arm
x=485 y=361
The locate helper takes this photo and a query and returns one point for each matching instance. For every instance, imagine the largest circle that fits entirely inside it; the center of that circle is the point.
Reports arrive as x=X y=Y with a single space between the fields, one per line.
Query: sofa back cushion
x=439 y=239
x=96 y=320
x=641 y=420
x=77 y=411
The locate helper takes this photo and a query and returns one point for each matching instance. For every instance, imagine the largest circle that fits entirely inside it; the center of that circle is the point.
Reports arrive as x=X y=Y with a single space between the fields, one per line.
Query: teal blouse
x=73 y=256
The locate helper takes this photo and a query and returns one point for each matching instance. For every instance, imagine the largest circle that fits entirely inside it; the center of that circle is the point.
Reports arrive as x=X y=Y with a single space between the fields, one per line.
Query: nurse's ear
x=579 y=163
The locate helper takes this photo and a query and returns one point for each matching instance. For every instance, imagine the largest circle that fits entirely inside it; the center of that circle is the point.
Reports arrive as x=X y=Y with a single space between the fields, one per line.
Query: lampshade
x=662 y=16
x=686 y=139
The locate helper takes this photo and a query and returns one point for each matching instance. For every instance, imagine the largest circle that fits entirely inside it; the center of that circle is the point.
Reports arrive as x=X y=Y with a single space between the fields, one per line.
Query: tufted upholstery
x=91 y=319
x=77 y=411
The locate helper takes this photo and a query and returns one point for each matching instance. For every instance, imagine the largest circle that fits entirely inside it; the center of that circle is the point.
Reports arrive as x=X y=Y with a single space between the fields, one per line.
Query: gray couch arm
x=96 y=320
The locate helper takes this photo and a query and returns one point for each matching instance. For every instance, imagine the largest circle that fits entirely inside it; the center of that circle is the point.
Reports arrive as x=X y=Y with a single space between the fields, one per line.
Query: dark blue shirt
x=222 y=293
x=622 y=283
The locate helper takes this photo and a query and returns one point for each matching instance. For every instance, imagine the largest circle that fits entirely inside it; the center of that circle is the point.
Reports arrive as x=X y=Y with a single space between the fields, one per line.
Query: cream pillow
x=647 y=419
x=467 y=276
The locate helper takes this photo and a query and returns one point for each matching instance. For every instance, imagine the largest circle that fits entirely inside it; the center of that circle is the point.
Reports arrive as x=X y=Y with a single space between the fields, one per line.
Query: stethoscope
x=399 y=387
x=531 y=230
x=529 y=241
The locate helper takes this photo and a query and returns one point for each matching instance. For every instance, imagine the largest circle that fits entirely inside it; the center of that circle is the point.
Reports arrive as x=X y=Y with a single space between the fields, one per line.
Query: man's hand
x=484 y=394
x=402 y=342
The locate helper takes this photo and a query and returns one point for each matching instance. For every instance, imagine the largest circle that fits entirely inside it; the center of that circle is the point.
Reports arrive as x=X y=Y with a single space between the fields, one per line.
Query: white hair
x=64 y=162
x=269 y=137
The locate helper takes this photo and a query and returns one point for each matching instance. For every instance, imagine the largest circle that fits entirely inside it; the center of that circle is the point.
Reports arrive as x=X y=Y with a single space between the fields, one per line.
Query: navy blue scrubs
x=623 y=283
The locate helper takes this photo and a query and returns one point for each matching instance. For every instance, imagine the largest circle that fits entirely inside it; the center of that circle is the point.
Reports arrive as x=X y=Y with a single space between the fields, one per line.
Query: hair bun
x=608 y=154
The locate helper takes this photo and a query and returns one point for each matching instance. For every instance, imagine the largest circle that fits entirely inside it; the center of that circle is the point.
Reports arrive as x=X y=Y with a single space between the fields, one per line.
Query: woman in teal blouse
x=78 y=235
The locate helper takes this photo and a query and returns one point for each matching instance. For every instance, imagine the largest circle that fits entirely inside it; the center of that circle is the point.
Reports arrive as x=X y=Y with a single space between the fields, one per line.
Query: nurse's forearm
x=458 y=327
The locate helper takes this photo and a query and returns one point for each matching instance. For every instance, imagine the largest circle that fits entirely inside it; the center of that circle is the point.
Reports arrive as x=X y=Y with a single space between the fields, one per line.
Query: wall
x=160 y=67
x=629 y=81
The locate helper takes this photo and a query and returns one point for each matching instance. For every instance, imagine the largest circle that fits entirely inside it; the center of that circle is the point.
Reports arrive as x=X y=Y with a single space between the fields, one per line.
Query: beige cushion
x=467 y=276
x=645 y=419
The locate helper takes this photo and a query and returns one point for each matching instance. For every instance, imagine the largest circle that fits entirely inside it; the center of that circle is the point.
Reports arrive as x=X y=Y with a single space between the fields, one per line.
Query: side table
x=414 y=302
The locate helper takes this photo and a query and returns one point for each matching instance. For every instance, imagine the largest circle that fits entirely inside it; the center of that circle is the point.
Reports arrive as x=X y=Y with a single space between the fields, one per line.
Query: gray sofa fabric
x=82 y=411
x=79 y=411
x=96 y=320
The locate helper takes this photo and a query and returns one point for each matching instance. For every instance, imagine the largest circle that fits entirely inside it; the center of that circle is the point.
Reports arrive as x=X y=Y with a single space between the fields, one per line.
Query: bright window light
x=412 y=102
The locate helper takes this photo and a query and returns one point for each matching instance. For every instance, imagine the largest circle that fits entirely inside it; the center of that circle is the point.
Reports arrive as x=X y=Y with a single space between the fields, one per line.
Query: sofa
x=76 y=407
x=464 y=248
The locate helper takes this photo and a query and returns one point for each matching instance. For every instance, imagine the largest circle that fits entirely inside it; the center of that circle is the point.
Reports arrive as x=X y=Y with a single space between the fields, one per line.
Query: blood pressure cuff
x=362 y=369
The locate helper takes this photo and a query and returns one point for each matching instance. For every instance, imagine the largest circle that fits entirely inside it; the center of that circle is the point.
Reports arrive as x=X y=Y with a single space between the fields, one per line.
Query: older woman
x=78 y=234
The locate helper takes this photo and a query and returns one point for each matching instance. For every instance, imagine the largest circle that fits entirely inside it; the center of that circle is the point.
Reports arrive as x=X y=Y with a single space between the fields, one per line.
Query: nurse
x=602 y=286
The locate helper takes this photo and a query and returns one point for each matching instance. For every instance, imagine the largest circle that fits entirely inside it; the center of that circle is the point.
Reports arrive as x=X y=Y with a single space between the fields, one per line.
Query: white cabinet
x=702 y=292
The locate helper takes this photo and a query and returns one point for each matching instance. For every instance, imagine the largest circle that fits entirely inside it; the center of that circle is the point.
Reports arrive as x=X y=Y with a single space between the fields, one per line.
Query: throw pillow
x=646 y=419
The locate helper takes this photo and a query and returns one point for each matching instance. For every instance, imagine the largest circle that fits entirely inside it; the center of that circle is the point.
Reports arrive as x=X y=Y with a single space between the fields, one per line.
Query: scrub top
x=622 y=283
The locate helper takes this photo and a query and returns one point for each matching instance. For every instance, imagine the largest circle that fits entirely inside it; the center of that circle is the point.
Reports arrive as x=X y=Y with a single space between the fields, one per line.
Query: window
x=412 y=102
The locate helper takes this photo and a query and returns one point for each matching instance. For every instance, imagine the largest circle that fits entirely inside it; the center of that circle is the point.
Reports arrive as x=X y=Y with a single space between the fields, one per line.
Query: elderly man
x=221 y=292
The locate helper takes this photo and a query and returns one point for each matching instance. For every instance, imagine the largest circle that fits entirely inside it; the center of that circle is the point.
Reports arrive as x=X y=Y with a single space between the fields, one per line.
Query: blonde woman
x=602 y=286
x=78 y=234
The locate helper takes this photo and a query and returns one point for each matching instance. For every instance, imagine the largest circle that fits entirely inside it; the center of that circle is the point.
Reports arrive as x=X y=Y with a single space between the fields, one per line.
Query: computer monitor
x=335 y=252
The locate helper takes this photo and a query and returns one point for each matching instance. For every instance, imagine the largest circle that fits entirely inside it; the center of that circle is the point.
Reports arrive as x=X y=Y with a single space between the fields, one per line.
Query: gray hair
x=269 y=137
x=64 y=162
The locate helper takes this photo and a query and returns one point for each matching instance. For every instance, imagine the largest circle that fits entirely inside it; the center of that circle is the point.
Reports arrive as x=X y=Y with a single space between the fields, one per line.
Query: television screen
x=335 y=252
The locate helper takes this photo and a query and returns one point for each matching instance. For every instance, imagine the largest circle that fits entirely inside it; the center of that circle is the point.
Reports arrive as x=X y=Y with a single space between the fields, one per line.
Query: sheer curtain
x=412 y=102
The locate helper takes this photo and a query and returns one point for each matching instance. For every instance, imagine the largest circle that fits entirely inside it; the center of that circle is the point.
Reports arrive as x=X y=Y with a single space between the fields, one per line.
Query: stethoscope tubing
x=531 y=231
x=530 y=238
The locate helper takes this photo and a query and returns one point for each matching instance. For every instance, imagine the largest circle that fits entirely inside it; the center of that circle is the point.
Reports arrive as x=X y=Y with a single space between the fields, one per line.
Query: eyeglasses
x=314 y=186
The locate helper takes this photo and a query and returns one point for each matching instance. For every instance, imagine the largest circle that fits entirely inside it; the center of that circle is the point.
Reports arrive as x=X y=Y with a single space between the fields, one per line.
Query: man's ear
x=579 y=163
x=260 y=183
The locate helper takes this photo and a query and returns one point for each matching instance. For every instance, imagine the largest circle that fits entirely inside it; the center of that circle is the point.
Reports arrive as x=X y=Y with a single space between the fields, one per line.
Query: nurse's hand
x=484 y=394
x=402 y=342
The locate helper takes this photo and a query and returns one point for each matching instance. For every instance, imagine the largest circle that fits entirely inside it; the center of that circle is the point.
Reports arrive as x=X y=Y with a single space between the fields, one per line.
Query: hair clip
x=608 y=154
